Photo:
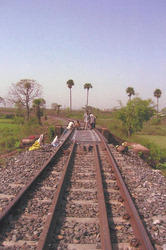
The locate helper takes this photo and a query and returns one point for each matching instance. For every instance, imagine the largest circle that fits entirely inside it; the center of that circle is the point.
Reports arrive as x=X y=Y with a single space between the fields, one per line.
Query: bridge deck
x=86 y=136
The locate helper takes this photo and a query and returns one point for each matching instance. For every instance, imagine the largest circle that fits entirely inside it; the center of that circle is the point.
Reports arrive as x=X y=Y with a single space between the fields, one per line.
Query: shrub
x=9 y=116
x=162 y=166
x=156 y=156
x=155 y=121
x=32 y=121
x=17 y=144
x=18 y=120
x=135 y=114
x=51 y=132
x=8 y=143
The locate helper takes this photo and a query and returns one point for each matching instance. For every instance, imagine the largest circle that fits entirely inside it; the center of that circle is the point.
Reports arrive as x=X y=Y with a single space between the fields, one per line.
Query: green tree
x=87 y=86
x=24 y=91
x=70 y=84
x=2 y=100
x=135 y=113
x=38 y=105
x=130 y=91
x=163 y=111
x=157 y=94
x=56 y=107
x=19 y=109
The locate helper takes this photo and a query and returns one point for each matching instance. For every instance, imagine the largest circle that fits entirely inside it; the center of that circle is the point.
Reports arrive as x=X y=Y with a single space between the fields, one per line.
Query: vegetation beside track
x=13 y=129
x=152 y=135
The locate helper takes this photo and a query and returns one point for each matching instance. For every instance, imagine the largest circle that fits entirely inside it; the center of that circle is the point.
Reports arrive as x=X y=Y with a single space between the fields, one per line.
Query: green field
x=8 y=125
x=12 y=131
x=159 y=140
x=11 y=134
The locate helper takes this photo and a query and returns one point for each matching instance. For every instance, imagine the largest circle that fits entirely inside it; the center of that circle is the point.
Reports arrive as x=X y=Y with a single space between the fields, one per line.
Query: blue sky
x=113 y=44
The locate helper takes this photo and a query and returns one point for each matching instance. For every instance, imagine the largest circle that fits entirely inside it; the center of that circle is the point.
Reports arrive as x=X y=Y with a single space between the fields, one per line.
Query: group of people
x=89 y=123
x=89 y=120
x=72 y=124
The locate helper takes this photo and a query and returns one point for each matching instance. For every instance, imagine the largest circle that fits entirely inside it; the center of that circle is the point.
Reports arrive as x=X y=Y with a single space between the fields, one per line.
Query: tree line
x=157 y=93
x=87 y=86
x=137 y=111
x=26 y=90
x=26 y=94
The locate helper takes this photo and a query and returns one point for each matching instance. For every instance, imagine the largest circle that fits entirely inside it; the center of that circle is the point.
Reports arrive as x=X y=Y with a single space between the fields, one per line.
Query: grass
x=153 y=134
x=9 y=134
x=150 y=129
x=5 y=121
x=12 y=131
x=159 y=140
x=8 y=127
x=154 y=137
x=113 y=125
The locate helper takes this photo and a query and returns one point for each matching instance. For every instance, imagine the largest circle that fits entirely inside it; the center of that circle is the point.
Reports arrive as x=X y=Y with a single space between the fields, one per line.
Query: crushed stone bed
x=147 y=187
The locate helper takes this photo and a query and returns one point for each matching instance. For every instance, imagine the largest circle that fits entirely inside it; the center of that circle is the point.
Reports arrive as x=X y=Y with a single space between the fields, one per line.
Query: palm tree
x=2 y=100
x=56 y=107
x=130 y=91
x=38 y=104
x=70 y=83
x=87 y=86
x=157 y=94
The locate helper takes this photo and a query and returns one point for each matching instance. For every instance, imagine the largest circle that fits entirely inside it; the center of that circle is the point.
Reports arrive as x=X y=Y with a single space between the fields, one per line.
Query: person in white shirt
x=92 y=121
x=86 y=120
x=69 y=126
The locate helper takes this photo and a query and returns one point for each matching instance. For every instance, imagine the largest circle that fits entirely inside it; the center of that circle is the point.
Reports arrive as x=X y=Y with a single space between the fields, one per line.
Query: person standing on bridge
x=92 y=121
x=86 y=120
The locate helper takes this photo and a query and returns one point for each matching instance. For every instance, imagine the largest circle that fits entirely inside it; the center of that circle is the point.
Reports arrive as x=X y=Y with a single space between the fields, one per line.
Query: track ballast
x=77 y=216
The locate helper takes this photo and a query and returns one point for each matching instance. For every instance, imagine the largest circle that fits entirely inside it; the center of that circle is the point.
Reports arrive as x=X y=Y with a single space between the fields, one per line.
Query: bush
x=156 y=156
x=32 y=121
x=51 y=132
x=9 y=116
x=8 y=143
x=162 y=166
x=18 y=120
x=155 y=121
x=17 y=144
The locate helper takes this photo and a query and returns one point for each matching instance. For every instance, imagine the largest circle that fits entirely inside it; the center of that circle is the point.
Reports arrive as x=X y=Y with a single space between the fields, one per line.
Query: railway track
x=79 y=201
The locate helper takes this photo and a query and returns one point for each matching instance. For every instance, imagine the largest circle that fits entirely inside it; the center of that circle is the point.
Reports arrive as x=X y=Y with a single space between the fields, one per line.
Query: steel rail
x=52 y=217
x=13 y=203
x=137 y=225
x=103 y=219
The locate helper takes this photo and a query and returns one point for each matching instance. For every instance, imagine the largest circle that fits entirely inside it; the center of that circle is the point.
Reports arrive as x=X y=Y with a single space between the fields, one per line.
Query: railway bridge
x=77 y=199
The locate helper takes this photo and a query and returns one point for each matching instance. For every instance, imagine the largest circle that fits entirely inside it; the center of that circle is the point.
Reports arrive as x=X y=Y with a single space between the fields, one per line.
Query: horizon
x=110 y=44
